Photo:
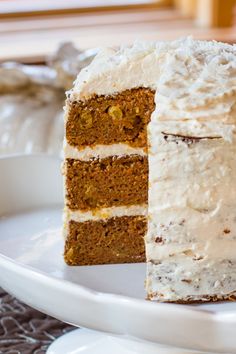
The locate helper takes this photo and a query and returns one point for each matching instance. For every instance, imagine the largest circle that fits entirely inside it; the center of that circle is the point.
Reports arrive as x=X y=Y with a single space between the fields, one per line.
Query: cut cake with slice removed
x=150 y=152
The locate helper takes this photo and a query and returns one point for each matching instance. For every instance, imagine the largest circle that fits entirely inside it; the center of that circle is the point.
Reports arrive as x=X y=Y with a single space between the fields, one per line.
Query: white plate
x=106 y=298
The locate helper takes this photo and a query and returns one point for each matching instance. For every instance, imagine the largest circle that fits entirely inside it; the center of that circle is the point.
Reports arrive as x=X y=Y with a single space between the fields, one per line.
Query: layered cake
x=150 y=155
x=106 y=177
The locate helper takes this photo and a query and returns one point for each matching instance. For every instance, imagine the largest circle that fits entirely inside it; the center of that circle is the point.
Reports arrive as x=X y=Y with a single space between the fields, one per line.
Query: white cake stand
x=107 y=299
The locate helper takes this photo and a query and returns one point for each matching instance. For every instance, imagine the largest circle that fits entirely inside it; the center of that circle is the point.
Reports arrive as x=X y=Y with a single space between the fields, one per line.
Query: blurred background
x=33 y=29
x=43 y=46
x=45 y=43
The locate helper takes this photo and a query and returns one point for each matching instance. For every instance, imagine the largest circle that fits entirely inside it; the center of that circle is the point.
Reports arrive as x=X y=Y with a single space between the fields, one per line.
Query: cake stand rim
x=190 y=315
x=119 y=311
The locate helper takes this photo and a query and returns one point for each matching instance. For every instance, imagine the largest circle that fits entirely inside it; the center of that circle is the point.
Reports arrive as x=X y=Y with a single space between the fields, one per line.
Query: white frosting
x=105 y=213
x=192 y=194
x=171 y=280
x=153 y=65
x=196 y=220
x=113 y=71
x=101 y=151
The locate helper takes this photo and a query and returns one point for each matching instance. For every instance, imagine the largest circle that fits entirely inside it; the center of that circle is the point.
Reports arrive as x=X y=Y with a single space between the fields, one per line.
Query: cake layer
x=110 y=119
x=116 y=240
x=102 y=183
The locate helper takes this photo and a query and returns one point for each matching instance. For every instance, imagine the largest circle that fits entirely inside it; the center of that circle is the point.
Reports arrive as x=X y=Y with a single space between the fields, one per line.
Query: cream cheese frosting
x=101 y=151
x=105 y=213
x=192 y=159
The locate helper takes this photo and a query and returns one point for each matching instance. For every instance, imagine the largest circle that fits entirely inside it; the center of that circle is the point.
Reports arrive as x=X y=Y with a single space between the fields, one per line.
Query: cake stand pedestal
x=83 y=341
x=109 y=298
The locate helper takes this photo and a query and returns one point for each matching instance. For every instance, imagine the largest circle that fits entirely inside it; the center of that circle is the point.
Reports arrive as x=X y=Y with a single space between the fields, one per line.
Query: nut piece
x=86 y=120
x=69 y=254
x=89 y=190
x=115 y=112
x=90 y=193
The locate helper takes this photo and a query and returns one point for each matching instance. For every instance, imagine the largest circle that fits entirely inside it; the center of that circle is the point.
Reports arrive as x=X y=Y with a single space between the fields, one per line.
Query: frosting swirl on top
x=194 y=80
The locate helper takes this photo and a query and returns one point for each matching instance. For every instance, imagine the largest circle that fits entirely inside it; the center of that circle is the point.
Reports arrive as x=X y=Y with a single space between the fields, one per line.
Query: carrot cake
x=150 y=155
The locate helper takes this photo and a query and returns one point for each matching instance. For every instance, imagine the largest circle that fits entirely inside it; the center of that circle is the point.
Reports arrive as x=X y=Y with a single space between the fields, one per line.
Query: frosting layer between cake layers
x=192 y=160
x=101 y=151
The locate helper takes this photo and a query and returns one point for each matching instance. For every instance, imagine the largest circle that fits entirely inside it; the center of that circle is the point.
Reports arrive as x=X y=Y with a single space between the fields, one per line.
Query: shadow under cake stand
x=108 y=300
